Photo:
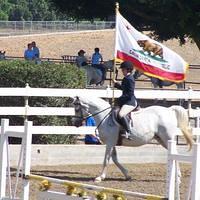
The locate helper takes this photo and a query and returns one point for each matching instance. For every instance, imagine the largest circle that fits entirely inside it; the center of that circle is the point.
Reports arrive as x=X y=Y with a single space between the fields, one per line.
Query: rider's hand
x=114 y=81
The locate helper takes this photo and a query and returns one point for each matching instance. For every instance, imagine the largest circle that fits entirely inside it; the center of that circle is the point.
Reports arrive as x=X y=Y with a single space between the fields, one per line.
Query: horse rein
x=92 y=115
x=89 y=115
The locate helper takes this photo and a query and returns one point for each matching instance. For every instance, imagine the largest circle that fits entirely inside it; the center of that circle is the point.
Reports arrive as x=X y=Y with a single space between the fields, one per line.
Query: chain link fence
x=31 y=27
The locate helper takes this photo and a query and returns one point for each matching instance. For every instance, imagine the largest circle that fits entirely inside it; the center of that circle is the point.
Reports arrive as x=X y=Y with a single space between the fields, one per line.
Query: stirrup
x=126 y=135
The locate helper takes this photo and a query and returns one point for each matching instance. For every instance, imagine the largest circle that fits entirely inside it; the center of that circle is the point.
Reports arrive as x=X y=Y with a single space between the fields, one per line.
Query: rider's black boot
x=125 y=123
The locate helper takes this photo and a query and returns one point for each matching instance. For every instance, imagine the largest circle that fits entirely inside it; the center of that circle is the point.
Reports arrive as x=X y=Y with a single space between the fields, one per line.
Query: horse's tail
x=183 y=122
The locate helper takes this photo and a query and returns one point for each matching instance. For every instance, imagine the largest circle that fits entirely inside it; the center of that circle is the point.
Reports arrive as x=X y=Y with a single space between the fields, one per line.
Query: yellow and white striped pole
x=102 y=191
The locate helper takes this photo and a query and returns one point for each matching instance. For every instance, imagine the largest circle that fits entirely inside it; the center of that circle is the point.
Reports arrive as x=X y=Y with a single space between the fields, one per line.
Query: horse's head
x=81 y=111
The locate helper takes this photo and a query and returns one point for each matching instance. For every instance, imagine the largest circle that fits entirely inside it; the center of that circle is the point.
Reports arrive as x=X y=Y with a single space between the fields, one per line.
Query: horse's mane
x=94 y=100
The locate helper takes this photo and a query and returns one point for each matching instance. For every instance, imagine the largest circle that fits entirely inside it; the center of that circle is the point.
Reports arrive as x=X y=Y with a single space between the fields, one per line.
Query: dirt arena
x=146 y=178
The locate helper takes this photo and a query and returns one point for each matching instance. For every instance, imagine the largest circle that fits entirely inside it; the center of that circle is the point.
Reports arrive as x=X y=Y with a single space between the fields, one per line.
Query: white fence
x=21 y=27
x=28 y=92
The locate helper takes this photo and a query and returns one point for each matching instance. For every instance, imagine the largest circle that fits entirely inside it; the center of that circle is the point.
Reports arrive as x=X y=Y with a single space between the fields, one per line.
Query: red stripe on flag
x=151 y=70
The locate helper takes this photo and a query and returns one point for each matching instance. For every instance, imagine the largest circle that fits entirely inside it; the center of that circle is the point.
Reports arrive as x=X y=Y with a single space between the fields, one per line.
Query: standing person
x=127 y=101
x=91 y=139
x=97 y=61
x=81 y=60
x=29 y=53
x=36 y=50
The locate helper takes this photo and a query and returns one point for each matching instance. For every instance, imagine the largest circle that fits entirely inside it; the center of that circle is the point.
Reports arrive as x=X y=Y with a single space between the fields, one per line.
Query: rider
x=127 y=101
x=81 y=60
x=97 y=61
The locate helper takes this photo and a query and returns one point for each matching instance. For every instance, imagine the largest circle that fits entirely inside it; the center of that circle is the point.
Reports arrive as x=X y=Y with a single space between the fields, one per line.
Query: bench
x=69 y=58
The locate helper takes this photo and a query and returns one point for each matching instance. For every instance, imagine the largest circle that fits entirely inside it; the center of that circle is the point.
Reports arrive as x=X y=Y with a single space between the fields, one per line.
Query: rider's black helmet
x=127 y=65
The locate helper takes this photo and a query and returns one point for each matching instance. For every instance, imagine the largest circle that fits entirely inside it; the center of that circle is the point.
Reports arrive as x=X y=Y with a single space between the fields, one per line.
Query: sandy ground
x=56 y=45
x=146 y=178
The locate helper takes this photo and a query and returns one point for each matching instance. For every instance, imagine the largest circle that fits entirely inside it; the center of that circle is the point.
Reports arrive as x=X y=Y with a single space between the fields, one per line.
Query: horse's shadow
x=65 y=176
x=85 y=177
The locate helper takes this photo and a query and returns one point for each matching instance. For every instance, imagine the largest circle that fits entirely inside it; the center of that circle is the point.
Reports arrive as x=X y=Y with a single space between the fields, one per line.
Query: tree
x=20 y=11
x=5 y=7
x=41 y=10
x=165 y=18
x=35 y=10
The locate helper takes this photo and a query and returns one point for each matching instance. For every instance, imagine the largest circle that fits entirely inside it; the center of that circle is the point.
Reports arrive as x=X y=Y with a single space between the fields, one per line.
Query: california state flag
x=147 y=55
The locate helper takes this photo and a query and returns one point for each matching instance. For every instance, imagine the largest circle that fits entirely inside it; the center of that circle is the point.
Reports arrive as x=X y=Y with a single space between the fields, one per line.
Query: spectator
x=2 y=55
x=35 y=50
x=81 y=60
x=29 y=53
x=91 y=139
x=97 y=61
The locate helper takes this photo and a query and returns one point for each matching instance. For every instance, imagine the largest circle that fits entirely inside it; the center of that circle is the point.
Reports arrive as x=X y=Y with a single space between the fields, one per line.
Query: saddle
x=116 y=118
x=116 y=110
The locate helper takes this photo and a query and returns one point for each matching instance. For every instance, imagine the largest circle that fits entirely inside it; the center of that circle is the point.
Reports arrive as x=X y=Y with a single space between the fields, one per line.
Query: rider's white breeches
x=125 y=109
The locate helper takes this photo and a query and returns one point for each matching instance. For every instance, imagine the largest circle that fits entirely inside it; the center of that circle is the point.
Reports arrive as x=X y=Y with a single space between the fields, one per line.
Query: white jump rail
x=60 y=130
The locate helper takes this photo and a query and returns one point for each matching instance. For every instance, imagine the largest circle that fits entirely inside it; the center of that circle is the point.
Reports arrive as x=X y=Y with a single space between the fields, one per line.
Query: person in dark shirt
x=127 y=101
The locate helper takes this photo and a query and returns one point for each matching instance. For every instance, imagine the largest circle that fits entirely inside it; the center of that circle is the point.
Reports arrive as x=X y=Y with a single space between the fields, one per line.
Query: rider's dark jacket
x=127 y=86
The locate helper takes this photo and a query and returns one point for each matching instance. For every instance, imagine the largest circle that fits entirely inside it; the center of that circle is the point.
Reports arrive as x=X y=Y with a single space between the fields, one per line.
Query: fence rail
x=28 y=92
x=21 y=27
x=103 y=93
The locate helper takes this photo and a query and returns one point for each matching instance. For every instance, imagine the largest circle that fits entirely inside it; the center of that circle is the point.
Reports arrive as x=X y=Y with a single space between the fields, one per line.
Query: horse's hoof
x=97 y=179
x=128 y=178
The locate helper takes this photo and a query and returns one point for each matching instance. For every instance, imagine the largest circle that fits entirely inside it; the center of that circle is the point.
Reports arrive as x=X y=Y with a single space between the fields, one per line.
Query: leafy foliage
x=18 y=73
x=35 y=10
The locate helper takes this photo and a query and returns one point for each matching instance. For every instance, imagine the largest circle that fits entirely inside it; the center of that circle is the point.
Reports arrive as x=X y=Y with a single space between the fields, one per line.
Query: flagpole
x=114 y=66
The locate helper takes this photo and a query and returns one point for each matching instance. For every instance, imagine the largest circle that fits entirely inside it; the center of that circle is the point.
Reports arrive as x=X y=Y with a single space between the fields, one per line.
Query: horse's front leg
x=122 y=169
x=108 y=153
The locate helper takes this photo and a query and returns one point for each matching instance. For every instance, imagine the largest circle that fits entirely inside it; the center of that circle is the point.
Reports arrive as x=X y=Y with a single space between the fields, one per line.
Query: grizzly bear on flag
x=151 y=47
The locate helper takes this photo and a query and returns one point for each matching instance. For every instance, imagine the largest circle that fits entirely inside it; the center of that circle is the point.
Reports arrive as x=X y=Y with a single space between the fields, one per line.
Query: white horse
x=94 y=75
x=155 y=122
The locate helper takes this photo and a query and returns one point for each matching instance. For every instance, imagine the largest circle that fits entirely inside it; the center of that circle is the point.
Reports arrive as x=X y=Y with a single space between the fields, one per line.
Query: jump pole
x=95 y=188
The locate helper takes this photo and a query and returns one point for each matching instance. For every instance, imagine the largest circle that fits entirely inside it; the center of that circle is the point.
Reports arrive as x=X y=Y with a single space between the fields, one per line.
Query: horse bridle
x=91 y=115
x=83 y=108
